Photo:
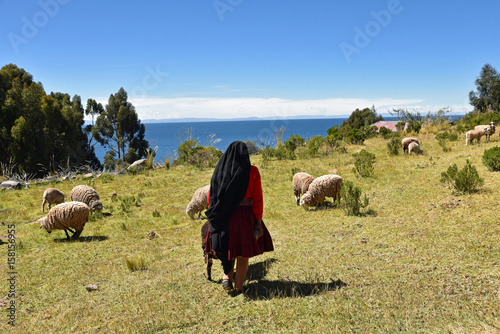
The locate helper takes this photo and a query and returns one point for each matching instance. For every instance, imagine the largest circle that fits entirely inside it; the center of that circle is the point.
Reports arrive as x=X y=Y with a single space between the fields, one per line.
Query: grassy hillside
x=423 y=261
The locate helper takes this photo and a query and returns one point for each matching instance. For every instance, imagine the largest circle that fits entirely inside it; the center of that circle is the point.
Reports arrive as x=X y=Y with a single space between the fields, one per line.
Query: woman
x=235 y=215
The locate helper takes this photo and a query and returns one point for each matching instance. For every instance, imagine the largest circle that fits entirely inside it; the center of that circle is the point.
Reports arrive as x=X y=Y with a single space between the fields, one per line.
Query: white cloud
x=224 y=108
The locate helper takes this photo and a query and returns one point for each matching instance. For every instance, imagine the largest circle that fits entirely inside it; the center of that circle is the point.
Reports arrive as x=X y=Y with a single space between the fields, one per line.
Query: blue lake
x=167 y=137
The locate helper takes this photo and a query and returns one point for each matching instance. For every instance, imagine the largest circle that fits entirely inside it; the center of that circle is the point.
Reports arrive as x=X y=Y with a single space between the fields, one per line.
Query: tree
x=39 y=131
x=119 y=129
x=487 y=95
x=406 y=115
x=360 y=118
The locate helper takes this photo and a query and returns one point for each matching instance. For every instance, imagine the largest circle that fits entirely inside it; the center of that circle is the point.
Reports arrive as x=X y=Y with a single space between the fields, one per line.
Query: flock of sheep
x=69 y=216
x=478 y=132
x=308 y=191
x=314 y=190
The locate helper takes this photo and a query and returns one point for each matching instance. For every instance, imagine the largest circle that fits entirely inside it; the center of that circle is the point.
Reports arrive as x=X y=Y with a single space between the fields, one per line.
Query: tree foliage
x=487 y=94
x=119 y=129
x=361 y=118
x=39 y=132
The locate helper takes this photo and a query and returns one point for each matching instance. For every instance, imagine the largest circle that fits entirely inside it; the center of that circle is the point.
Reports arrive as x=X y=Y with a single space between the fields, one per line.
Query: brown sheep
x=199 y=202
x=52 y=196
x=406 y=141
x=475 y=134
x=66 y=216
x=300 y=184
x=324 y=186
x=87 y=195
x=491 y=127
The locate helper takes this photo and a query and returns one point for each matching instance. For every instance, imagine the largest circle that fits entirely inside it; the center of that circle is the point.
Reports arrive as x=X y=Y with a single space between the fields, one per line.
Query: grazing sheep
x=52 y=196
x=414 y=148
x=198 y=202
x=475 y=134
x=300 y=184
x=66 y=216
x=491 y=126
x=208 y=256
x=87 y=195
x=324 y=186
x=406 y=141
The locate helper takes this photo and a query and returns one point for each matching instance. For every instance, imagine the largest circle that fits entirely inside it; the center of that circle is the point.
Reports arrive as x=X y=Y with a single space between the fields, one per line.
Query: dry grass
x=425 y=261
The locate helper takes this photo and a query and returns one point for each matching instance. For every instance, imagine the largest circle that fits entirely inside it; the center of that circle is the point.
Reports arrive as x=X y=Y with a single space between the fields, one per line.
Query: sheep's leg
x=208 y=261
x=76 y=235
x=298 y=200
x=67 y=235
x=209 y=268
x=70 y=230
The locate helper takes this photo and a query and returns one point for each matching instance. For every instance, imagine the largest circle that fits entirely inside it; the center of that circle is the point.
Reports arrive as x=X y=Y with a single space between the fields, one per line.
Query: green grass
x=424 y=261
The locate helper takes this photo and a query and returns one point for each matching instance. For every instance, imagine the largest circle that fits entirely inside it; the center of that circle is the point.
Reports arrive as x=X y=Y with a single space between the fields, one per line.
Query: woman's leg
x=241 y=272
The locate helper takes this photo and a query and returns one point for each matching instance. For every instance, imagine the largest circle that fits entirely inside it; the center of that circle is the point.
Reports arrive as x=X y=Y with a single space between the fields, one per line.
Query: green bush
x=205 y=157
x=355 y=136
x=491 y=159
x=313 y=144
x=394 y=145
x=252 y=147
x=465 y=181
x=351 y=202
x=364 y=163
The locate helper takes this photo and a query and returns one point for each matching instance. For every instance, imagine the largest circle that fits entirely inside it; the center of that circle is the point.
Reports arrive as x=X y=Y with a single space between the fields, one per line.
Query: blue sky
x=242 y=58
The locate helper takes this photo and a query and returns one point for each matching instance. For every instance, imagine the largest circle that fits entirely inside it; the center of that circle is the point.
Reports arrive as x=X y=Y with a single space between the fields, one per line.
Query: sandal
x=236 y=293
x=227 y=284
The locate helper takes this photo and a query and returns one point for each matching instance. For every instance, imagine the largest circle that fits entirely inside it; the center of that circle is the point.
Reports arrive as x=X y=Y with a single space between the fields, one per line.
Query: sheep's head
x=44 y=225
x=96 y=206
x=306 y=201
x=191 y=210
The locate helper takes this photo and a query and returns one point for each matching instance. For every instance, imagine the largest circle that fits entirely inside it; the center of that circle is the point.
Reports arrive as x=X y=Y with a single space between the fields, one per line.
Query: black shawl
x=228 y=185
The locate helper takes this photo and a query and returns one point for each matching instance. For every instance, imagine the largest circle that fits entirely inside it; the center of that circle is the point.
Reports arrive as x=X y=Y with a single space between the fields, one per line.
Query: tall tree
x=38 y=131
x=487 y=95
x=361 y=118
x=119 y=129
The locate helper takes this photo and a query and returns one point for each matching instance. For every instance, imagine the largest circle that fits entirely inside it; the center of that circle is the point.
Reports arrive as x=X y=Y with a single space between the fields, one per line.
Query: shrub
x=385 y=132
x=313 y=144
x=252 y=147
x=355 y=136
x=294 y=142
x=444 y=145
x=136 y=263
x=491 y=159
x=205 y=157
x=393 y=146
x=364 y=163
x=465 y=181
x=351 y=202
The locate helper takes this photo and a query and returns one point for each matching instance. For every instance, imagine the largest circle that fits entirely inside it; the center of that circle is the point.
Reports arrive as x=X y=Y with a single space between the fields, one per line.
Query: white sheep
x=406 y=141
x=52 y=196
x=324 y=186
x=199 y=202
x=87 y=195
x=491 y=127
x=414 y=148
x=475 y=134
x=66 y=216
x=300 y=184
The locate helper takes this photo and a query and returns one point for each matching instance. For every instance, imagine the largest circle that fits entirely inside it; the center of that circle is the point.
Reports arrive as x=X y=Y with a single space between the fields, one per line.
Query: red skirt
x=242 y=240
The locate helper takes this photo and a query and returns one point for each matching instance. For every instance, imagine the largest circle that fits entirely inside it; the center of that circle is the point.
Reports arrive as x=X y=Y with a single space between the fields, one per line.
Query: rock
x=91 y=287
x=153 y=235
x=138 y=163
x=88 y=175
x=11 y=185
